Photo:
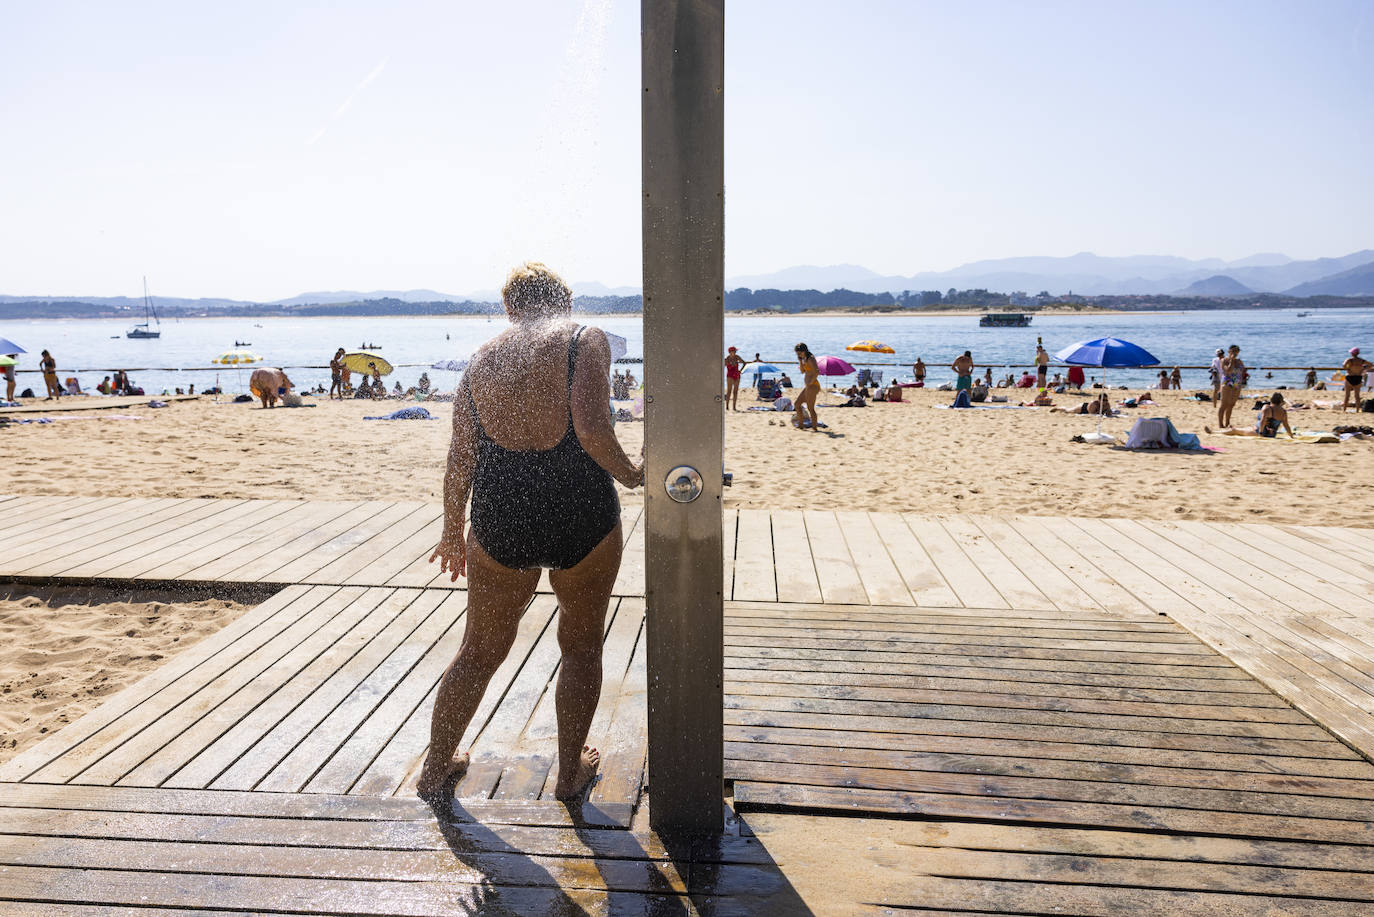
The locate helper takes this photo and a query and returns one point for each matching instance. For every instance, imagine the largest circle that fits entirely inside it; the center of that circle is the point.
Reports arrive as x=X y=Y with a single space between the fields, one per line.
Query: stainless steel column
x=683 y=49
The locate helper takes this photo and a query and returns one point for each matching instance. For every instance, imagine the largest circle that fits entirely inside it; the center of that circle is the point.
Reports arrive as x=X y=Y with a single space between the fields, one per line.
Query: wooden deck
x=1082 y=716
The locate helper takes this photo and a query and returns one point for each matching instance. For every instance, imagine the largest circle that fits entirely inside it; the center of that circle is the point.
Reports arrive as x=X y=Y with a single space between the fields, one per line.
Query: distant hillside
x=1216 y=285
x=1355 y=282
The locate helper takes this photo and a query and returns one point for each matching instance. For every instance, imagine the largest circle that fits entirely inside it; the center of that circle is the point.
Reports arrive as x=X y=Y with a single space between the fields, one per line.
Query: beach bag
x=1367 y=406
x=782 y=404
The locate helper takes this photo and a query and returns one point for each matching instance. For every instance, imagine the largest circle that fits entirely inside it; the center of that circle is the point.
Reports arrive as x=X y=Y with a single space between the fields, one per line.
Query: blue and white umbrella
x=8 y=346
x=1106 y=353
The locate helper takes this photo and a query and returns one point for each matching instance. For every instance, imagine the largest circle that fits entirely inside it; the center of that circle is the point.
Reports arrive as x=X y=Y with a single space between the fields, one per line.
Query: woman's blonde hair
x=533 y=289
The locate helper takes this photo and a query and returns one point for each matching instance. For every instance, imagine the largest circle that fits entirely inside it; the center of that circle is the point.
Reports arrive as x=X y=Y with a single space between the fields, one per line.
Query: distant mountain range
x=1093 y=275
x=1085 y=274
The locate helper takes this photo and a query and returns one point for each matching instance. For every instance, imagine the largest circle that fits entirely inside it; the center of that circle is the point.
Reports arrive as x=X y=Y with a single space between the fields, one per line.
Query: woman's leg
x=583 y=593
x=497 y=596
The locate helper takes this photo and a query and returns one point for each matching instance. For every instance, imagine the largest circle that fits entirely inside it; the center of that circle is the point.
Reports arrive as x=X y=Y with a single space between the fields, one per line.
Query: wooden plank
x=220 y=657
x=1141 y=587
x=1326 y=793
x=1317 y=747
x=1105 y=591
x=881 y=579
x=383 y=548
x=231 y=730
x=999 y=569
x=421 y=572
x=418 y=546
x=1256 y=552
x=148 y=536
x=293 y=599
x=238 y=549
x=171 y=561
x=136 y=560
x=382 y=664
x=1230 y=763
x=1062 y=591
x=1345 y=543
x=1140 y=622
x=344 y=768
x=1336 y=568
x=625 y=739
x=835 y=568
x=1245 y=587
x=1074 y=803
x=94 y=540
x=256 y=562
x=1178 y=581
x=729 y=522
x=630 y=578
x=962 y=574
x=919 y=573
x=182 y=730
x=794 y=565
x=1162 y=638
x=311 y=565
x=397 y=767
x=754 y=579
x=29 y=520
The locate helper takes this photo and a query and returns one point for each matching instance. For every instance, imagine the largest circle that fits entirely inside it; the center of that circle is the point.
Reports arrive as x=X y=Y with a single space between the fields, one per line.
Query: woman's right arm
x=451 y=551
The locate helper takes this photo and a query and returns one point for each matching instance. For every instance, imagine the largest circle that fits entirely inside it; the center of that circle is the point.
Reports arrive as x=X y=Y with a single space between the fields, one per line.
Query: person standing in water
x=734 y=363
x=811 y=387
x=918 y=371
x=533 y=443
x=1356 y=368
x=1232 y=381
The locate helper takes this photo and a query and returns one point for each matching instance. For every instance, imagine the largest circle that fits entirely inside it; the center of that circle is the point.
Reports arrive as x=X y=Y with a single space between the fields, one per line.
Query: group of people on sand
x=341 y=380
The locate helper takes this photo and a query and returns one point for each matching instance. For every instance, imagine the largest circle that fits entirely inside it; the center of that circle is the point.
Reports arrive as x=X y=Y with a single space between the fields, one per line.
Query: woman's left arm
x=451 y=551
x=591 y=395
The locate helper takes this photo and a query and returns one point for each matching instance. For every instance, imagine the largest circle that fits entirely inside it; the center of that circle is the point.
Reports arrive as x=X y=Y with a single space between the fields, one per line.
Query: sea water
x=92 y=348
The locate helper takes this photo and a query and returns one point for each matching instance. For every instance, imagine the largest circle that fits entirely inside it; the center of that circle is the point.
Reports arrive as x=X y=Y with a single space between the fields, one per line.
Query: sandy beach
x=910 y=456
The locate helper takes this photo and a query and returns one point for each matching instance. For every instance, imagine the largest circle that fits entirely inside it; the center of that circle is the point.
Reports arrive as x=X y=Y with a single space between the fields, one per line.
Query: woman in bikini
x=734 y=363
x=1232 y=381
x=1356 y=368
x=533 y=442
x=811 y=387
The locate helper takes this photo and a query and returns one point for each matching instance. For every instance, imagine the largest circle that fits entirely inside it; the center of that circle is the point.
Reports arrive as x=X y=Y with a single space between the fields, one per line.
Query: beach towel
x=413 y=413
x=1159 y=433
x=962 y=400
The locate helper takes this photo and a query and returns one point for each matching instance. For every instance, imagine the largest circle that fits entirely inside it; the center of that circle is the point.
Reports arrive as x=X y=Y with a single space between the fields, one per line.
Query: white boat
x=144 y=329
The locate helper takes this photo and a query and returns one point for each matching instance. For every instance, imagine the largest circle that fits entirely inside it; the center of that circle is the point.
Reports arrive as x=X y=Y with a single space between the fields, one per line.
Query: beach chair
x=769 y=389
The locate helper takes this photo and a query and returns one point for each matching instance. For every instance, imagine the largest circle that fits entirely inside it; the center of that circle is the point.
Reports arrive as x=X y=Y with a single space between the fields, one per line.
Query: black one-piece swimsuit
x=546 y=508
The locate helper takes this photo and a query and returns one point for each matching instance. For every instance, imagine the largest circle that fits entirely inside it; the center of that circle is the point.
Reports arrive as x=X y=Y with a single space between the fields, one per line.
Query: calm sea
x=91 y=349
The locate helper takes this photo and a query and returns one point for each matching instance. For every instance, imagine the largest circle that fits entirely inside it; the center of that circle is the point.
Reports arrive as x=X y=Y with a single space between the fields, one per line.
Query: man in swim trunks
x=1042 y=363
x=918 y=371
x=1356 y=368
x=963 y=370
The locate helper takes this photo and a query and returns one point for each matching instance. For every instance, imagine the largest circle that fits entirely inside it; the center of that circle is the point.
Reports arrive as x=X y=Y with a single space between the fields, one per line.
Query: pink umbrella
x=833 y=366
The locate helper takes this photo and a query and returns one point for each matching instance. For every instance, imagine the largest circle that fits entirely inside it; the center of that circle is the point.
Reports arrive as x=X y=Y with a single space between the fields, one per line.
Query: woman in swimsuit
x=733 y=364
x=336 y=374
x=1232 y=381
x=811 y=387
x=533 y=441
x=1356 y=368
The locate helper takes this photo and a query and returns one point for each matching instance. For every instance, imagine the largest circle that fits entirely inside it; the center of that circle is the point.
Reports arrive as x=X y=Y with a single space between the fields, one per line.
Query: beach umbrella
x=833 y=366
x=870 y=347
x=8 y=361
x=761 y=368
x=1106 y=353
x=357 y=360
x=8 y=346
x=236 y=358
x=619 y=346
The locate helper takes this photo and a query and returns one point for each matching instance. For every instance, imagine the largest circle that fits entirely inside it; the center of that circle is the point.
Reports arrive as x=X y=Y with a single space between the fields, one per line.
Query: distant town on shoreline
x=1088 y=282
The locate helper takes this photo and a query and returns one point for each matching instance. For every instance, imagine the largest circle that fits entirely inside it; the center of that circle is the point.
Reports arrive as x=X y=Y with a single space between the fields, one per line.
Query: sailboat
x=145 y=329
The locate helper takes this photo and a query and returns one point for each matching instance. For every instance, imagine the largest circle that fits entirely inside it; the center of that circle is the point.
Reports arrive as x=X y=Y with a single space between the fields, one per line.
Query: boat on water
x=1005 y=320
x=1304 y=314
x=144 y=329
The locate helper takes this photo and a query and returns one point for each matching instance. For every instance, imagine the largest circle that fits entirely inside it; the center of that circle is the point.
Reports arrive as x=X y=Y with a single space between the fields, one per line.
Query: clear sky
x=261 y=149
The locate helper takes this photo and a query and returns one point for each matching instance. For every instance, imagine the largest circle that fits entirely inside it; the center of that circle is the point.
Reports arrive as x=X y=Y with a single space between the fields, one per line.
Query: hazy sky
x=262 y=149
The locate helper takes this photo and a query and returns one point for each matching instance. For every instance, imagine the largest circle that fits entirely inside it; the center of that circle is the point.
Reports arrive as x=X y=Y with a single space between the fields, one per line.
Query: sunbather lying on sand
x=1099 y=405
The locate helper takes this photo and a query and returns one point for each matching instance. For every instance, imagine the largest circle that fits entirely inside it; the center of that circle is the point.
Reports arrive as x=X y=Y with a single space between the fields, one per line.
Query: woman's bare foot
x=436 y=774
x=570 y=787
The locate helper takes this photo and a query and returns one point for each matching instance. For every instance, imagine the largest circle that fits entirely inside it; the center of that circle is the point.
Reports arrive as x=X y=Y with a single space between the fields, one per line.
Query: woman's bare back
x=519 y=382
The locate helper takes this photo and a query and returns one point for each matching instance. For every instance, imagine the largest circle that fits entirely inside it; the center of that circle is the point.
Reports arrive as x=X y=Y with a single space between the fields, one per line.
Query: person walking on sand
x=1215 y=373
x=8 y=370
x=336 y=371
x=1042 y=363
x=734 y=363
x=963 y=371
x=533 y=442
x=811 y=387
x=1232 y=381
x=1356 y=368
x=918 y=371
x=49 y=367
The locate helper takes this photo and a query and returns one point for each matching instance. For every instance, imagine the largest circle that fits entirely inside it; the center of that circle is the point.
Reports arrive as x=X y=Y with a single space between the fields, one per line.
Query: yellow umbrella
x=870 y=347
x=357 y=360
x=236 y=358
